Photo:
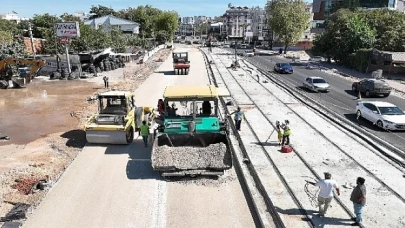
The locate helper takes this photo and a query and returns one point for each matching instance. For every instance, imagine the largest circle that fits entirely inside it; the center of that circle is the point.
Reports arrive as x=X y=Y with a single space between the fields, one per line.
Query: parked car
x=318 y=59
x=283 y=68
x=370 y=87
x=249 y=53
x=385 y=115
x=316 y=84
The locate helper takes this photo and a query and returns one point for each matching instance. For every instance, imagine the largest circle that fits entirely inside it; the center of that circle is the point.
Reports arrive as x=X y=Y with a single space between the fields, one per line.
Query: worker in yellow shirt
x=145 y=133
x=286 y=134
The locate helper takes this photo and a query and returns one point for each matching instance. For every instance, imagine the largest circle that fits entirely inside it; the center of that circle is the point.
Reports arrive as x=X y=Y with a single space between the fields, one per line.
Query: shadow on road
x=362 y=122
x=351 y=92
x=166 y=72
x=76 y=138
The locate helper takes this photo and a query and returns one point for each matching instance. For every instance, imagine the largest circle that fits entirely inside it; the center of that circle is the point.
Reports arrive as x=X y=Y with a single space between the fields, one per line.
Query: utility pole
x=31 y=39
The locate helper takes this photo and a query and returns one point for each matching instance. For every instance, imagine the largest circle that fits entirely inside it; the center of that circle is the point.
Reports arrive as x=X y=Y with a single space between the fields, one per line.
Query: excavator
x=12 y=69
x=191 y=140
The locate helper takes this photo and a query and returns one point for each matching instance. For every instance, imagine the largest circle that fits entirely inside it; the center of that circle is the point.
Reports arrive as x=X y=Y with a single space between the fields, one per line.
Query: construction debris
x=18 y=212
x=211 y=157
x=30 y=185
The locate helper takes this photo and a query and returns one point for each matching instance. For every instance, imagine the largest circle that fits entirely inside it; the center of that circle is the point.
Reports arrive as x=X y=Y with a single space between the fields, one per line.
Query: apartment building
x=259 y=23
x=201 y=19
x=238 y=22
x=82 y=15
x=188 y=20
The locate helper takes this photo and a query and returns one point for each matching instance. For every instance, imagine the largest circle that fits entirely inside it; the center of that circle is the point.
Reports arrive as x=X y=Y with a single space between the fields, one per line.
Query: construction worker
x=145 y=133
x=105 y=78
x=279 y=133
x=161 y=106
x=325 y=196
x=286 y=133
x=239 y=115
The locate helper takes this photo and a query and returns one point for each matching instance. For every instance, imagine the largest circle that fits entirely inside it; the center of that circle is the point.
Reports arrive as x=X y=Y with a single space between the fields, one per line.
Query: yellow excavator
x=117 y=119
x=13 y=69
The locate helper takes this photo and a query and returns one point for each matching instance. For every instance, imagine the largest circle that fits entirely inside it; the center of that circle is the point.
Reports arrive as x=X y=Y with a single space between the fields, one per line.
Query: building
x=237 y=22
x=305 y=41
x=259 y=23
x=12 y=17
x=107 y=23
x=82 y=15
x=322 y=8
x=188 y=20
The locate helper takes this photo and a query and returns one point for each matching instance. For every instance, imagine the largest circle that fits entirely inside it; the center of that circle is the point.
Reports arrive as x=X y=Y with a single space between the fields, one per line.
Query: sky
x=27 y=8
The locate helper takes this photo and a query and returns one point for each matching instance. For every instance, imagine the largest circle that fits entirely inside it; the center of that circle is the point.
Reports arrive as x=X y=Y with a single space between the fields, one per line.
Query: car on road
x=370 y=87
x=317 y=59
x=385 y=115
x=316 y=84
x=249 y=53
x=283 y=68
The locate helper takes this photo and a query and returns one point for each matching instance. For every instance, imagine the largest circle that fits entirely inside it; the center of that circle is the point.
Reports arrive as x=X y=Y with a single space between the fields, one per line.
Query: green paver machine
x=192 y=139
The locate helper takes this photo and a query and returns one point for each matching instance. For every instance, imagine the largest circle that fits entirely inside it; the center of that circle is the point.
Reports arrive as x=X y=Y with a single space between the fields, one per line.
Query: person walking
x=239 y=115
x=105 y=78
x=145 y=133
x=358 y=197
x=325 y=196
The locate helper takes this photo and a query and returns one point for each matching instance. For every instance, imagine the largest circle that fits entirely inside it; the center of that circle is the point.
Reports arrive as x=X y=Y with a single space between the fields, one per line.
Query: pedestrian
x=239 y=115
x=105 y=78
x=145 y=133
x=286 y=134
x=358 y=197
x=325 y=196
x=279 y=133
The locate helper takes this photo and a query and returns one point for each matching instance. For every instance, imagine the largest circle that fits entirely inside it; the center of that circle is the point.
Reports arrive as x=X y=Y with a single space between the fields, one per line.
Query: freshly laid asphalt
x=341 y=99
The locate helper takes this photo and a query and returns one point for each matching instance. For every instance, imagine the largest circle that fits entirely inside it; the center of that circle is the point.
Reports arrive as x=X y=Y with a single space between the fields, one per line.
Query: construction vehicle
x=181 y=64
x=117 y=118
x=14 y=70
x=194 y=142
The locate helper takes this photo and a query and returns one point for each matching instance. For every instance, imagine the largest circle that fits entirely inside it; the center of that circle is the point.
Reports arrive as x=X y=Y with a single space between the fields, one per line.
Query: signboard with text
x=67 y=29
x=64 y=40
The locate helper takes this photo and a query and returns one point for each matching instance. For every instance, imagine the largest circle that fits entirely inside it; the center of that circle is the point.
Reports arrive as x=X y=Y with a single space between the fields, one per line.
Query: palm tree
x=244 y=26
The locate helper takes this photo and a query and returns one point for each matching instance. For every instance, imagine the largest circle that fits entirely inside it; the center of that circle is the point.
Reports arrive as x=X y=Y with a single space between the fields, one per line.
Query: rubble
x=30 y=185
x=213 y=156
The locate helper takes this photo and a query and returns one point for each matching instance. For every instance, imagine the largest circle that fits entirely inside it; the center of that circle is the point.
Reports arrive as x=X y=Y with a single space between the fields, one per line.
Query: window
x=371 y=107
x=390 y=111
x=319 y=80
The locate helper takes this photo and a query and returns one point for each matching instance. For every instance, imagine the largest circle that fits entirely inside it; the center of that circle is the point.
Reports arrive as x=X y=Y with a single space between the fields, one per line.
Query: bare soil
x=44 y=123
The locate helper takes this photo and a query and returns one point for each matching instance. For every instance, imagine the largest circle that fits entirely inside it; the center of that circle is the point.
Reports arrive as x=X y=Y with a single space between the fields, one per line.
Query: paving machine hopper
x=192 y=139
x=181 y=63
x=117 y=118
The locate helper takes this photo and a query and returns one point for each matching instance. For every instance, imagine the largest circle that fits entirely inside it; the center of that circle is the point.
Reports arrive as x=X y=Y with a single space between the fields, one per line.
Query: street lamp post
x=31 y=39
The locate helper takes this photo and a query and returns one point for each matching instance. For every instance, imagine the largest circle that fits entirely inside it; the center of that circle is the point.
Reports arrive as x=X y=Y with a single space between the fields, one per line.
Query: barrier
x=152 y=52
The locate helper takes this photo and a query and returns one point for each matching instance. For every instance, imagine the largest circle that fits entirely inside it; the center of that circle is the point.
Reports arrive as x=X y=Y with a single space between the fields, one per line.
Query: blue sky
x=27 y=8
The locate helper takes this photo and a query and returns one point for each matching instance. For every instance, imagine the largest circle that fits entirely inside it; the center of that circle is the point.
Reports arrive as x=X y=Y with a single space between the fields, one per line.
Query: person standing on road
x=105 y=78
x=145 y=133
x=358 y=197
x=286 y=133
x=239 y=115
x=325 y=196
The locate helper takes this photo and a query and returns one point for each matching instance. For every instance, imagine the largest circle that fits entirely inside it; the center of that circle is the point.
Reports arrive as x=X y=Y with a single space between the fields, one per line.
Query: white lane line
x=159 y=209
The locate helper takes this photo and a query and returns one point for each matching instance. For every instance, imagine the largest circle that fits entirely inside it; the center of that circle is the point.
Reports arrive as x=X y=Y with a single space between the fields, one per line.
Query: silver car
x=316 y=84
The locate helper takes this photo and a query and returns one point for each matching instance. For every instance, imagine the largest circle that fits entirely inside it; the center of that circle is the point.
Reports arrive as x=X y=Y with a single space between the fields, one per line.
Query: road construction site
x=115 y=186
x=320 y=145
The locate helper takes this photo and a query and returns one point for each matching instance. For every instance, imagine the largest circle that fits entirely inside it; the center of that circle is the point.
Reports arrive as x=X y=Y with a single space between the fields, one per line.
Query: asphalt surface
x=115 y=186
x=341 y=99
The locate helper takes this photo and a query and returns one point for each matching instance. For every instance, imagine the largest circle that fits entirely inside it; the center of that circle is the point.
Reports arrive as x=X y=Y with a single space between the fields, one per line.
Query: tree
x=69 y=18
x=100 y=11
x=288 y=19
x=167 y=21
x=203 y=28
x=8 y=26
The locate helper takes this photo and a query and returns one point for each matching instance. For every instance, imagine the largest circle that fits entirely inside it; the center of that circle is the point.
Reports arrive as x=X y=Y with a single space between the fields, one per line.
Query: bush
x=361 y=59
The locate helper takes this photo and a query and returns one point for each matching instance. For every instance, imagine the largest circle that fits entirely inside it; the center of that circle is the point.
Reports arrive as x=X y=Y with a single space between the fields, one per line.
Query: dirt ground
x=44 y=123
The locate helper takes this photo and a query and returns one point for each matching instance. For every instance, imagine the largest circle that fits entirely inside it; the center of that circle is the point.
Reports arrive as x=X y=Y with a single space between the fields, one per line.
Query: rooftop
x=112 y=20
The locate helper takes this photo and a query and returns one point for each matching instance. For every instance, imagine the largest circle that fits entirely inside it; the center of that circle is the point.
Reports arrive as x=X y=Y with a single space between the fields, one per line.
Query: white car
x=249 y=53
x=316 y=84
x=385 y=115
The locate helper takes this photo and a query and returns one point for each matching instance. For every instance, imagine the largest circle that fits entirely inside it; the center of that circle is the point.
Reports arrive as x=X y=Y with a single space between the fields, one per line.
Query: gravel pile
x=214 y=156
x=206 y=181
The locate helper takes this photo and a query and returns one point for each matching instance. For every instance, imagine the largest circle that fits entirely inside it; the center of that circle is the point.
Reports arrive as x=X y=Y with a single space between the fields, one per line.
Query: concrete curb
x=151 y=53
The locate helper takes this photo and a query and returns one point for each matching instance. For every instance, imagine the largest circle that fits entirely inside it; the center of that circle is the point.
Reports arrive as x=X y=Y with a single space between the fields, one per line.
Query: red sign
x=64 y=40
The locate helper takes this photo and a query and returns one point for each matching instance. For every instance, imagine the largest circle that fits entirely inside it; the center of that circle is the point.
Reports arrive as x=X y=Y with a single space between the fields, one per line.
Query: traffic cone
x=359 y=96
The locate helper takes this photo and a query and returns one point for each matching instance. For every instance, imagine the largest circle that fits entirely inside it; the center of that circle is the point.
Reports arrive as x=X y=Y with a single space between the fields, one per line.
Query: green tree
x=69 y=18
x=288 y=19
x=100 y=11
x=9 y=27
x=168 y=21
x=203 y=28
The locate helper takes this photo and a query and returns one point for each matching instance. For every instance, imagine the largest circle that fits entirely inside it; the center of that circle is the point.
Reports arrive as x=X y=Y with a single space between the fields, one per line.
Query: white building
x=238 y=22
x=308 y=35
x=259 y=23
x=188 y=20
x=107 y=23
x=12 y=17
x=82 y=15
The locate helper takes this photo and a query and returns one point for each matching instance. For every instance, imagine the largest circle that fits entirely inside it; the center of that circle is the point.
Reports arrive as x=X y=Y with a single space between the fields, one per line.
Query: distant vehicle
x=370 y=87
x=385 y=115
x=318 y=59
x=249 y=53
x=283 y=68
x=182 y=41
x=316 y=84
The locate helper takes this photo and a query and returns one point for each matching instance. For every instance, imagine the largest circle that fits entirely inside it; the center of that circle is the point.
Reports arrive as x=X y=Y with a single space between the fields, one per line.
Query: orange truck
x=181 y=64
